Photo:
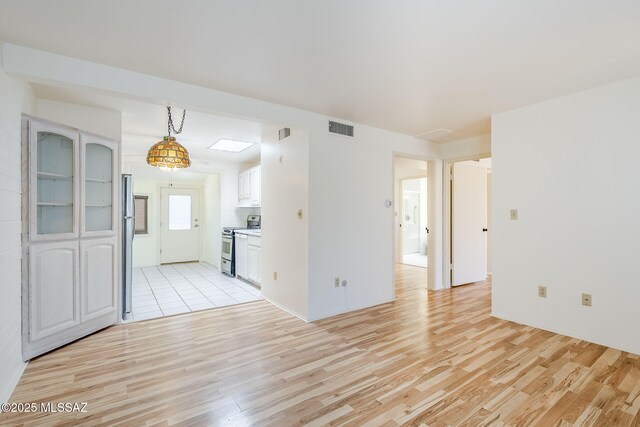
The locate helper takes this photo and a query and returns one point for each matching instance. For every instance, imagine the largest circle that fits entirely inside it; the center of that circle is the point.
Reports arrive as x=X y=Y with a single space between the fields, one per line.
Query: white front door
x=468 y=224
x=180 y=229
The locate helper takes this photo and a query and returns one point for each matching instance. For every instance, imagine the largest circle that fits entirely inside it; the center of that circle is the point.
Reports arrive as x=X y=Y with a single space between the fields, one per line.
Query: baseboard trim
x=352 y=310
x=12 y=383
x=564 y=332
x=288 y=310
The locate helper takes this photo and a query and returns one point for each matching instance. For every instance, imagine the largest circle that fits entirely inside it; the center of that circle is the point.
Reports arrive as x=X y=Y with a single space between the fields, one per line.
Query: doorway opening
x=413 y=215
x=176 y=260
x=469 y=221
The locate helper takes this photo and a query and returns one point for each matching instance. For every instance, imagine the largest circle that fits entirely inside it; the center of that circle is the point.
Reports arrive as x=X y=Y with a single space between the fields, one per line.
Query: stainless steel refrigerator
x=128 y=231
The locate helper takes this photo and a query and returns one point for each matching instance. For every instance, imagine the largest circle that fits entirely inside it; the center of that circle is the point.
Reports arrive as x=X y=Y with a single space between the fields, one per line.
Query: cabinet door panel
x=53 y=182
x=53 y=276
x=255 y=186
x=254 y=263
x=98 y=270
x=99 y=187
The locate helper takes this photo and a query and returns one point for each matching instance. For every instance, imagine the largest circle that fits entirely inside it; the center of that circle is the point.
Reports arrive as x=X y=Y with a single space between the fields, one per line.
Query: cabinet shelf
x=54 y=176
x=103 y=181
x=54 y=204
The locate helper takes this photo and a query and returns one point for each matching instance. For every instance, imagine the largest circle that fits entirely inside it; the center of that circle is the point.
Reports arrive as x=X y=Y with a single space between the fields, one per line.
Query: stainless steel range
x=228 y=263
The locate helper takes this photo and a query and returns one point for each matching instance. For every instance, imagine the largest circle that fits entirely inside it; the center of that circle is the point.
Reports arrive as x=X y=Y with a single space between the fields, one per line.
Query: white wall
x=100 y=121
x=146 y=246
x=569 y=166
x=467 y=148
x=211 y=245
x=350 y=228
x=284 y=236
x=15 y=98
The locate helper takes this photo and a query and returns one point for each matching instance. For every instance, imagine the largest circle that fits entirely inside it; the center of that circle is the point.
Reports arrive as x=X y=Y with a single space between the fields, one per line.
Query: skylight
x=231 y=145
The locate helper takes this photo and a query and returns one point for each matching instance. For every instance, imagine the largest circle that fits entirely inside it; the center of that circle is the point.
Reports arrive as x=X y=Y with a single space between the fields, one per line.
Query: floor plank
x=429 y=358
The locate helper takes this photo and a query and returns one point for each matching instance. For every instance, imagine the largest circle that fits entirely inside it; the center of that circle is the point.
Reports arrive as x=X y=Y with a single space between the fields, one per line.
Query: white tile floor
x=415 y=259
x=179 y=288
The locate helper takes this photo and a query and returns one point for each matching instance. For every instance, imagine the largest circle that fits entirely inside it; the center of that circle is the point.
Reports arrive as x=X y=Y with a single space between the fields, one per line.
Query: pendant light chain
x=170 y=126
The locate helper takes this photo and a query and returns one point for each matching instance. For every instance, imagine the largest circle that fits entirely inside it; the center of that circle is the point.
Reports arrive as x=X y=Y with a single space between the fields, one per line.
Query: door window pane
x=179 y=212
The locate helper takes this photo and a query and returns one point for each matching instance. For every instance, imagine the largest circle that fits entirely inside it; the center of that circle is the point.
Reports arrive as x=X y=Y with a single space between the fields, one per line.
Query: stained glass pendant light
x=169 y=154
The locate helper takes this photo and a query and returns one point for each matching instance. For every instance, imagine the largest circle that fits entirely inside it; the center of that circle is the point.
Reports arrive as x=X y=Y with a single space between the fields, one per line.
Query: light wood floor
x=430 y=358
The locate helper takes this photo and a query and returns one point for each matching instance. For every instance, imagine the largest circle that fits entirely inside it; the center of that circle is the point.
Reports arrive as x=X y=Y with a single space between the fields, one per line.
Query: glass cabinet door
x=53 y=182
x=98 y=186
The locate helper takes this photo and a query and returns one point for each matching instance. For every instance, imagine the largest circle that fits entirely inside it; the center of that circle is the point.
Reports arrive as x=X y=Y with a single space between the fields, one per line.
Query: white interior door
x=180 y=228
x=468 y=224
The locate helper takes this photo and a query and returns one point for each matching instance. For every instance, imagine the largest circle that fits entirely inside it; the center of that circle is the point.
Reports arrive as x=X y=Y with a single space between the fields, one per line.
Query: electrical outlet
x=514 y=214
x=344 y=283
x=336 y=282
x=275 y=275
x=586 y=300
x=542 y=291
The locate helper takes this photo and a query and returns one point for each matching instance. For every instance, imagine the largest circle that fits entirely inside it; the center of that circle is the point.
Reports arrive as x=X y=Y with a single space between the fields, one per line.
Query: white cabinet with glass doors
x=70 y=235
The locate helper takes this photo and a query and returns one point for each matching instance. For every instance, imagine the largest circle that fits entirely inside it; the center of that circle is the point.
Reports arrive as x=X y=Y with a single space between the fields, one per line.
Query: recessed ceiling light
x=231 y=145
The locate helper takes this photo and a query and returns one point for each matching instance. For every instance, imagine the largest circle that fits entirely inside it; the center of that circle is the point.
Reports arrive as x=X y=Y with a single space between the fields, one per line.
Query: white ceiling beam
x=63 y=71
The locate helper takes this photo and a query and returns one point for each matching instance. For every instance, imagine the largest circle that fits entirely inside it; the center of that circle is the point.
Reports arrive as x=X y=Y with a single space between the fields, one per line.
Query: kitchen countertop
x=249 y=232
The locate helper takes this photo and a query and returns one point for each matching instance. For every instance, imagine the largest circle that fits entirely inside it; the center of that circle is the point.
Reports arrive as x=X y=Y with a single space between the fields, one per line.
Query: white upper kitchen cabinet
x=244 y=186
x=254 y=178
x=249 y=187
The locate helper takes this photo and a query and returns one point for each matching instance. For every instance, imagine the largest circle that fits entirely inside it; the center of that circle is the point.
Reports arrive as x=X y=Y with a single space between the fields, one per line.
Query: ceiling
x=144 y=124
x=411 y=66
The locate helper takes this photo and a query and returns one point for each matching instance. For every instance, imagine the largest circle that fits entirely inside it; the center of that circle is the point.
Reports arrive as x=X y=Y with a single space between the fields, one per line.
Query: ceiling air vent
x=340 y=128
x=284 y=133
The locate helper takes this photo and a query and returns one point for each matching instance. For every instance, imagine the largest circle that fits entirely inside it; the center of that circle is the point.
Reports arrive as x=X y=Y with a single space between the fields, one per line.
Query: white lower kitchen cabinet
x=242 y=254
x=253 y=259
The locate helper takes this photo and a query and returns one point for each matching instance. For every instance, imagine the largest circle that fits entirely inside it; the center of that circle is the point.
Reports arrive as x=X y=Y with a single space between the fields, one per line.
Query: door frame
x=432 y=239
x=200 y=190
x=446 y=195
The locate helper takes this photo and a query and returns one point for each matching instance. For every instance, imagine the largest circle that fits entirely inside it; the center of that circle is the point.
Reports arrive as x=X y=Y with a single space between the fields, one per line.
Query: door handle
x=485 y=230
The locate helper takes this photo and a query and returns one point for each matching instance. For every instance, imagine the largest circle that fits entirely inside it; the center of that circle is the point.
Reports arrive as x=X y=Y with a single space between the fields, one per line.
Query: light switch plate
x=514 y=214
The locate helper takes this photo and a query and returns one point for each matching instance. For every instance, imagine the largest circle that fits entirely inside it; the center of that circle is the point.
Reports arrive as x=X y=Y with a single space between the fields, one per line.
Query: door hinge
x=450 y=266
x=160 y=250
